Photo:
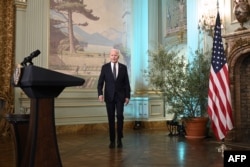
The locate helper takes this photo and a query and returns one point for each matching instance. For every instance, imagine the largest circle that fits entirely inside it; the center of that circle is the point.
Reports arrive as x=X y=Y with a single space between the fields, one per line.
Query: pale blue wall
x=139 y=43
x=192 y=27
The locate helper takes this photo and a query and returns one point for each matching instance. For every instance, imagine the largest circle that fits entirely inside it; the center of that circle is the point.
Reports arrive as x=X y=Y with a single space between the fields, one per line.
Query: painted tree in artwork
x=68 y=7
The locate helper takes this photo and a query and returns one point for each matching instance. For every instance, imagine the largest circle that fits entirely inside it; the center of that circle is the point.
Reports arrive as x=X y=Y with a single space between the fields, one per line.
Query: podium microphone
x=29 y=58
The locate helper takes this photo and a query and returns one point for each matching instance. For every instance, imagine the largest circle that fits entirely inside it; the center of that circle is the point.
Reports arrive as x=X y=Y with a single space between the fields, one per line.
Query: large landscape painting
x=81 y=34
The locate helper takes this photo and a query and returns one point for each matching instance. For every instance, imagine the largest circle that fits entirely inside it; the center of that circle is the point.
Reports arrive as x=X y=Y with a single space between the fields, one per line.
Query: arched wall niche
x=238 y=55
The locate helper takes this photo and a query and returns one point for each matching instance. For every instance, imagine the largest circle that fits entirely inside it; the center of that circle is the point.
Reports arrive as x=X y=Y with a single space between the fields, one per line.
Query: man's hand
x=126 y=101
x=101 y=99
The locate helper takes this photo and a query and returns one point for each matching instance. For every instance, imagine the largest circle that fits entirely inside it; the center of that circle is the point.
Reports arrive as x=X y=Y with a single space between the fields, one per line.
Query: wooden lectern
x=42 y=86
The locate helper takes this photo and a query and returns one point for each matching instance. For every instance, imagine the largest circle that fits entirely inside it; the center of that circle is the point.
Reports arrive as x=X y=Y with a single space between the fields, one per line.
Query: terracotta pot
x=196 y=128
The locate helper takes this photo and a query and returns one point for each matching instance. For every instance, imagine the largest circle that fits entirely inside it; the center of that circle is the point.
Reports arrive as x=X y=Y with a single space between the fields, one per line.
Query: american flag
x=219 y=96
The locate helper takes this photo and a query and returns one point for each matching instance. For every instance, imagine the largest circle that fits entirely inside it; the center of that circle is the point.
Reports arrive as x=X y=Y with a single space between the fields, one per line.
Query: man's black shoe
x=112 y=145
x=119 y=144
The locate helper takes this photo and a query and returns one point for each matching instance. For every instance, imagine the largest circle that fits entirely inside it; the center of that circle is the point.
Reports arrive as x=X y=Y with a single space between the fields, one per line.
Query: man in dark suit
x=114 y=79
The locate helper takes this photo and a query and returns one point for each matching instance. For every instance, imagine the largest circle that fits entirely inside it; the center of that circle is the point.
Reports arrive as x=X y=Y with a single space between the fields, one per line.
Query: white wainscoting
x=76 y=106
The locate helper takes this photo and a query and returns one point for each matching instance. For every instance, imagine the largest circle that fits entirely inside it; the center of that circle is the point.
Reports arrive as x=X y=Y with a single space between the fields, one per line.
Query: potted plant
x=196 y=96
x=183 y=85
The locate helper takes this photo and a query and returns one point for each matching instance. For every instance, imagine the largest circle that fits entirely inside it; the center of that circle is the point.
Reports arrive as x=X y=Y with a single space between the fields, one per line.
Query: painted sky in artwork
x=110 y=13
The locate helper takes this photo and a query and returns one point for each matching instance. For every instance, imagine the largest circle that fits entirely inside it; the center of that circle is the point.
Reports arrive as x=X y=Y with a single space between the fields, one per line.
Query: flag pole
x=222 y=147
x=215 y=105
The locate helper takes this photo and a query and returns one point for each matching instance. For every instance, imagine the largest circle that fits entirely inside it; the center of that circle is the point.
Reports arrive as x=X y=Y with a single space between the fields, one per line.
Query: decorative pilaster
x=20 y=4
x=20 y=18
x=32 y=25
x=140 y=42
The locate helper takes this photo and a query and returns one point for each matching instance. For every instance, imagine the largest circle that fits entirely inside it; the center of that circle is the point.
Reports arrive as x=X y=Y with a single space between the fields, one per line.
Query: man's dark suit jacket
x=120 y=86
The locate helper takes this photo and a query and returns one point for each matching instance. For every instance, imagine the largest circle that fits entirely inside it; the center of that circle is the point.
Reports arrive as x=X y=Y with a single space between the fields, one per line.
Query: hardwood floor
x=141 y=148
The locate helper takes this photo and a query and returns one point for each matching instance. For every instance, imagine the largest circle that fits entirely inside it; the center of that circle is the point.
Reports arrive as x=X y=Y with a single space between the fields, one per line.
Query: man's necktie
x=114 y=71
